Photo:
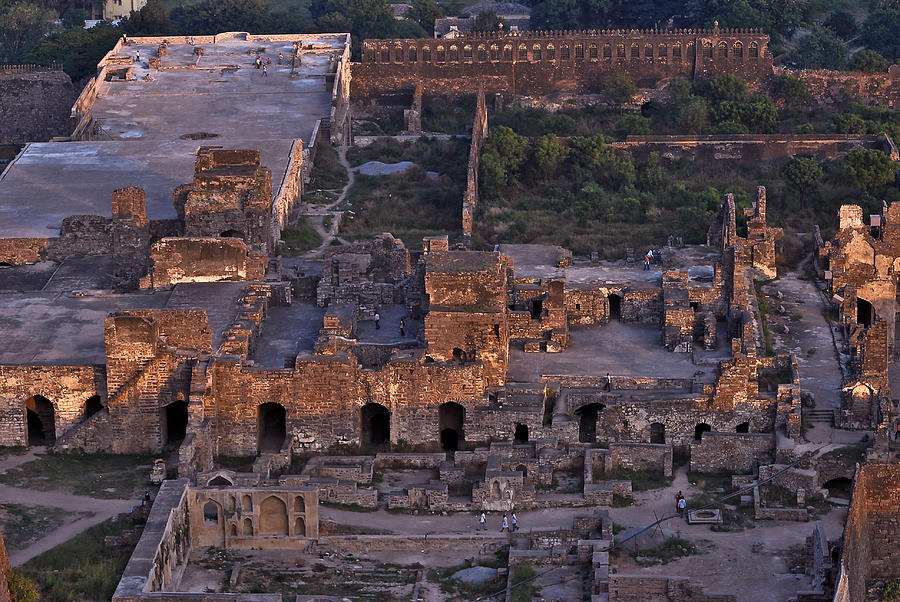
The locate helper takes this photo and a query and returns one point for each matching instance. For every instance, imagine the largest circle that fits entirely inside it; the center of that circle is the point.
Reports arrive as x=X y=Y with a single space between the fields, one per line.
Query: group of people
x=652 y=256
x=680 y=503
x=509 y=524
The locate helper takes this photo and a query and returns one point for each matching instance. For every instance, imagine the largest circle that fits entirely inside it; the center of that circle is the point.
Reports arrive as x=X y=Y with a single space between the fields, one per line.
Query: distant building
x=117 y=9
x=400 y=10
x=516 y=16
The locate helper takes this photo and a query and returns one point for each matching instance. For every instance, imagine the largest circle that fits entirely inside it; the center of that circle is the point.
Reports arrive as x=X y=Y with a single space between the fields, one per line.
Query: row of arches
x=272 y=518
x=454 y=53
x=590 y=413
x=40 y=418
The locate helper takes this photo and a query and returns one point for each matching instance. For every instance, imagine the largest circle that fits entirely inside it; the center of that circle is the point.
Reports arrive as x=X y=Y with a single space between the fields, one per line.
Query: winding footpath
x=320 y=212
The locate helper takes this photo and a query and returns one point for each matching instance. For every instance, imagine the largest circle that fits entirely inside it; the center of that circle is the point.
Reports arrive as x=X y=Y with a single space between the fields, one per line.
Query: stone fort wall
x=542 y=62
x=34 y=104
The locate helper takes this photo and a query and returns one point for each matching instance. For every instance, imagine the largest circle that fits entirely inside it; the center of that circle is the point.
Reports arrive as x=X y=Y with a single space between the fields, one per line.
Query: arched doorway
x=375 y=423
x=248 y=527
x=451 y=417
x=521 y=434
x=92 y=406
x=865 y=313
x=299 y=527
x=219 y=481
x=299 y=504
x=41 y=421
x=657 y=433
x=175 y=421
x=272 y=426
x=700 y=429
x=273 y=517
x=587 y=422
x=615 y=307
x=743 y=427
x=840 y=487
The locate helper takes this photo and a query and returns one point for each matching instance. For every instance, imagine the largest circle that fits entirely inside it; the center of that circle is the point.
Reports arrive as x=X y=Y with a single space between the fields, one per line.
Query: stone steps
x=820 y=416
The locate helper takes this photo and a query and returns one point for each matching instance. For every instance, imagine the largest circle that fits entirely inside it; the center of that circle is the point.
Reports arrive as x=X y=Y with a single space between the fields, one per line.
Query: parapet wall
x=541 y=62
x=879 y=89
x=479 y=133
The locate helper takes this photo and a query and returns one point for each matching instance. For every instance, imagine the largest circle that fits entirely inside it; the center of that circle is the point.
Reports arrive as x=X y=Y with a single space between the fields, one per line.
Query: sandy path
x=320 y=212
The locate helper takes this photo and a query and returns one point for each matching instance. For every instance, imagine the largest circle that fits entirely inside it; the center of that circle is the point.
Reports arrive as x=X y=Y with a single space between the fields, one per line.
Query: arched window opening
x=272 y=426
x=657 y=433
x=700 y=429
x=210 y=513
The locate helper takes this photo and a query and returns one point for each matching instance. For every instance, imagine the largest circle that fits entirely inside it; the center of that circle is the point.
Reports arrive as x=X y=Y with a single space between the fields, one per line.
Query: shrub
x=620 y=88
x=868 y=61
x=21 y=589
x=869 y=169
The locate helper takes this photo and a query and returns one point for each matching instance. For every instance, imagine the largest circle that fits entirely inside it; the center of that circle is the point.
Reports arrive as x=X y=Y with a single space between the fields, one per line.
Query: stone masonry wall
x=538 y=63
x=479 y=132
x=34 y=104
x=67 y=388
x=732 y=452
x=175 y=260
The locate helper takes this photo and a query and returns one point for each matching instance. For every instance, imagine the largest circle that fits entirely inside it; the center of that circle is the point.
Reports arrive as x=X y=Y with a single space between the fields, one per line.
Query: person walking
x=280 y=57
x=146 y=498
x=137 y=56
x=505 y=524
x=265 y=71
x=678 y=497
x=402 y=327
x=682 y=504
x=481 y=522
x=608 y=385
x=377 y=321
x=515 y=522
x=647 y=261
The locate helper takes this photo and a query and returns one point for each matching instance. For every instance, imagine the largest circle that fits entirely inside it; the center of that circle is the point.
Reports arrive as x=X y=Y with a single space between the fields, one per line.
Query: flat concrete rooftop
x=151 y=126
x=50 y=181
x=221 y=93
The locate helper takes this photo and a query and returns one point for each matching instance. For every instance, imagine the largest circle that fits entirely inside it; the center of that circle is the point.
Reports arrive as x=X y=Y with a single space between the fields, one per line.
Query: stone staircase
x=815 y=416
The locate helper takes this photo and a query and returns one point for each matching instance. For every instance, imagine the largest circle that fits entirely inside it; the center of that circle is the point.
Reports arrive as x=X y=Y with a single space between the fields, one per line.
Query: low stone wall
x=15 y=251
x=732 y=452
x=644 y=588
x=163 y=548
x=177 y=260
x=400 y=543
x=630 y=383
x=399 y=460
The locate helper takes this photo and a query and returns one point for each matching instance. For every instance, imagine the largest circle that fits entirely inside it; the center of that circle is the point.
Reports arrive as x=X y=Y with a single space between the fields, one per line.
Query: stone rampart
x=535 y=63
x=34 y=104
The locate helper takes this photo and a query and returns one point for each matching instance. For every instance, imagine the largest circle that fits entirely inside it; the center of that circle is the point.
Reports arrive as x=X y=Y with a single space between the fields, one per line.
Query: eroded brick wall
x=175 y=260
x=732 y=452
x=34 y=104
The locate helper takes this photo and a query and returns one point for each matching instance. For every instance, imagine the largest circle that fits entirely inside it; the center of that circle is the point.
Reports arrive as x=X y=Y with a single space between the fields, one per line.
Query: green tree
x=692 y=115
x=728 y=127
x=214 y=16
x=651 y=176
x=556 y=14
x=868 y=61
x=492 y=176
x=509 y=148
x=679 y=87
x=21 y=588
x=801 y=173
x=424 y=12
x=869 y=169
x=631 y=124
x=842 y=23
x=620 y=88
x=548 y=154
x=78 y=50
x=821 y=49
x=790 y=90
x=487 y=20
x=152 y=20
x=371 y=19
x=879 y=31
x=721 y=88
x=405 y=28
x=22 y=24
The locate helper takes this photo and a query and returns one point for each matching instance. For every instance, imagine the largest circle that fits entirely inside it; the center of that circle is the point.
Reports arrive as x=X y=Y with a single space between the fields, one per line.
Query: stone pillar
x=131 y=235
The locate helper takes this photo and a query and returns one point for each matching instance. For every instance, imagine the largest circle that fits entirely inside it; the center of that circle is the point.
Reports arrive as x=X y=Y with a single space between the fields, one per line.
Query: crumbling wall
x=646 y=588
x=830 y=87
x=66 y=387
x=871 y=533
x=737 y=453
x=479 y=133
x=174 y=260
x=536 y=63
x=34 y=103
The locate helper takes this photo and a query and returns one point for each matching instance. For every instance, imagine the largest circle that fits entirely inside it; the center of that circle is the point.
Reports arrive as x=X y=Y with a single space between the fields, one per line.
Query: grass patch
x=643 y=480
x=112 y=476
x=848 y=456
x=524 y=574
x=24 y=525
x=327 y=172
x=299 y=239
x=671 y=549
x=617 y=528
x=443 y=577
x=711 y=481
x=82 y=568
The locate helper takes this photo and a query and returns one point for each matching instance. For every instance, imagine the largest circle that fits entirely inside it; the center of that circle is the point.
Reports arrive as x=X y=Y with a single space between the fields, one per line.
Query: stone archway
x=40 y=420
x=700 y=429
x=375 y=424
x=174 y=422
x=587 y=421
x=451 y=417
x=271 y=426
x=273 y=518
x=657 y=433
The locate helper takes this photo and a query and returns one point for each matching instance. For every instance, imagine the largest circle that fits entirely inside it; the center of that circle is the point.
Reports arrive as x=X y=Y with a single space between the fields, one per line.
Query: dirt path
x=320 y=212
x=101 y=509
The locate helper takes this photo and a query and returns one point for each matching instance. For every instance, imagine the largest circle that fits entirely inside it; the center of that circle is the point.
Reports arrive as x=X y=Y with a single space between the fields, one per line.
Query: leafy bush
x=620 y=88
x=869 y=169
x=868 y=61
